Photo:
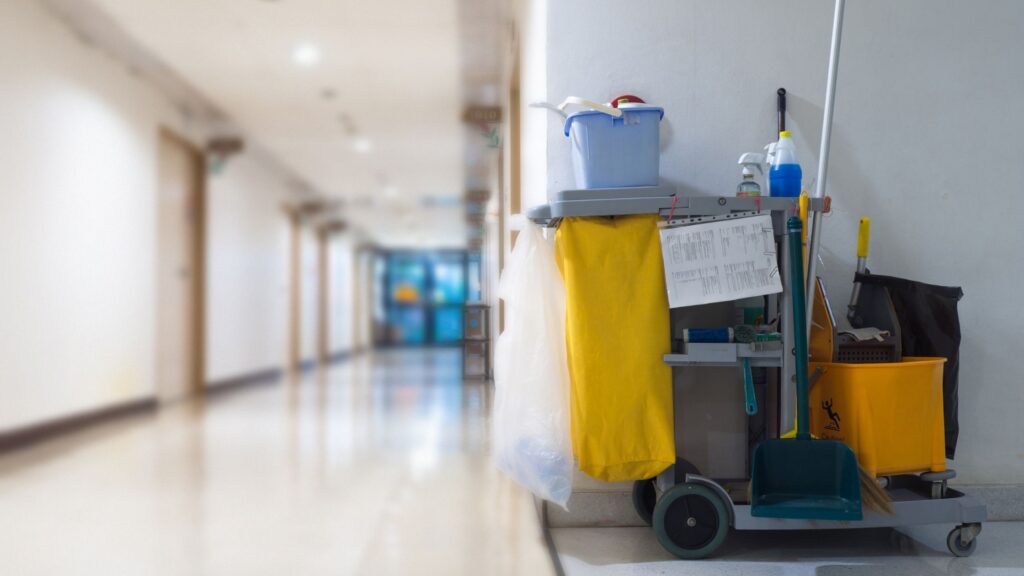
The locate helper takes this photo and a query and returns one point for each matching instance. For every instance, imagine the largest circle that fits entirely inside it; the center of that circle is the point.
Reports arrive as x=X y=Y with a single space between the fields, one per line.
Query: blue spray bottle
x=785 y=177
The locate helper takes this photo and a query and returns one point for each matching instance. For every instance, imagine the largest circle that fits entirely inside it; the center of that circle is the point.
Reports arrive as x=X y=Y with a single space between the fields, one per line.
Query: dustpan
x=803 y=478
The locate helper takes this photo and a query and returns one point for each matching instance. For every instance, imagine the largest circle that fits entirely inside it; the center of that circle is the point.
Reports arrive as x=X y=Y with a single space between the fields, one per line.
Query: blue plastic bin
x=609 y=152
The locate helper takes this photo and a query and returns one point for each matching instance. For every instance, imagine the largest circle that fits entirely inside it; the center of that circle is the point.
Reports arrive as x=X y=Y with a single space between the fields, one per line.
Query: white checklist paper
x=720 y=261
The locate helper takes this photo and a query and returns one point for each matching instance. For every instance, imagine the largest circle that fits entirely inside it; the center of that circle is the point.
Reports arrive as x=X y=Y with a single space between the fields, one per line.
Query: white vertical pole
x=826 y=138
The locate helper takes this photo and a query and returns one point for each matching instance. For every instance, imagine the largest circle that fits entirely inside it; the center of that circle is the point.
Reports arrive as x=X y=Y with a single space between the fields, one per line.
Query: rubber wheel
x=644 y=499
x=957 y=546
x=691 y=521
x=645 y=495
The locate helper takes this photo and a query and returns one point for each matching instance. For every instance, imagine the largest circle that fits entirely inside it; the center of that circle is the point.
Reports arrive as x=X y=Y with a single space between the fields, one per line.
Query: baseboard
x=342 y=356
x=336 y=357
x=221 y=386
x=1005 y=502
x=595 y=509
x=27 y=436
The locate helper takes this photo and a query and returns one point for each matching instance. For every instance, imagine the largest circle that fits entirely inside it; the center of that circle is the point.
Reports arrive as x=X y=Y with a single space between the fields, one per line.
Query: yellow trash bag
x=617 y=330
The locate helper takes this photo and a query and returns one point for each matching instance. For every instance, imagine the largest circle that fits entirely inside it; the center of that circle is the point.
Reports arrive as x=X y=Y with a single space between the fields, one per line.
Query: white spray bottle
x=749 y=187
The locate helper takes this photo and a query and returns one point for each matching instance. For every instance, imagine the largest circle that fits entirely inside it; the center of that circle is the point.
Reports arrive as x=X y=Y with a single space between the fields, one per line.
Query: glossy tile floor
x=911 y=552
x=378 y=466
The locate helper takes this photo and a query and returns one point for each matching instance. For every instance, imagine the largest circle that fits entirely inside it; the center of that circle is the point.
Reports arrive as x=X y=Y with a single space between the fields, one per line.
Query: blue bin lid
x=631 y=108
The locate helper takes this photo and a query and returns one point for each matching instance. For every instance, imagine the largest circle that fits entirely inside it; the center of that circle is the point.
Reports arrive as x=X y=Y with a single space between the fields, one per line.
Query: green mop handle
x=796 y=287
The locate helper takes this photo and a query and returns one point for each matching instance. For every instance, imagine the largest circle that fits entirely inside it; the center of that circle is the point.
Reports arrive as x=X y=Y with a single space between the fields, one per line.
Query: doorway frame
x=197 y=277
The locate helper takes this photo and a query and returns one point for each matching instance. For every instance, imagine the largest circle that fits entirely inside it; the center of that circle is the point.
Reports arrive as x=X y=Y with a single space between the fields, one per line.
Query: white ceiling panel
x=392 y=66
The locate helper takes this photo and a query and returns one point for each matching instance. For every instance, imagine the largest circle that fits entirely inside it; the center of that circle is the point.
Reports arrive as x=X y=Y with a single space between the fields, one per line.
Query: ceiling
x=375 y=121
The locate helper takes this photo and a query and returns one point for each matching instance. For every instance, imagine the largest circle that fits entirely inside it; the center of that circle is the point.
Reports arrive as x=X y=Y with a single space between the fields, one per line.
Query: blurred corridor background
x=250 y=253
x=294 y=201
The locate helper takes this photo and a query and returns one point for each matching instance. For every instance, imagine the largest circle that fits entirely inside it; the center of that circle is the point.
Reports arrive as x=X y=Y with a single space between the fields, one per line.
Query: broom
x=872 y=496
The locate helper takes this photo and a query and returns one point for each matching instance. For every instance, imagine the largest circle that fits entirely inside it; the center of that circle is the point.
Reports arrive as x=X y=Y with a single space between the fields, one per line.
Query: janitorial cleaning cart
x=859 y=439
x=692 y=513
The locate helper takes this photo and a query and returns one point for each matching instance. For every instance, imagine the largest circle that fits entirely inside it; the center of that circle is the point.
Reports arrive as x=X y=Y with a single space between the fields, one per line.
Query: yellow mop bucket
x=890 y=415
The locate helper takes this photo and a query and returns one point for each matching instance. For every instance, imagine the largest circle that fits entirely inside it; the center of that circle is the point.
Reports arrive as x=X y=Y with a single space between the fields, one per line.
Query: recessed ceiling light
x=361 y=145
x=306 y=54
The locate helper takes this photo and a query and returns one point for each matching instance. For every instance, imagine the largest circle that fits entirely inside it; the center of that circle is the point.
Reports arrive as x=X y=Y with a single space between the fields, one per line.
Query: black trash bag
x=931 y=327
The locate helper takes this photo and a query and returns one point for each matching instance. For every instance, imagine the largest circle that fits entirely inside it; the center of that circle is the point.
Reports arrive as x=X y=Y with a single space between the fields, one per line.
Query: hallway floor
x=914 y=551
x=376 y=466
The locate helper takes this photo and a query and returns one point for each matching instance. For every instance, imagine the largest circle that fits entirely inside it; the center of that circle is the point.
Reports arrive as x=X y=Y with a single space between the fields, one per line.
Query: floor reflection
x=376 y=466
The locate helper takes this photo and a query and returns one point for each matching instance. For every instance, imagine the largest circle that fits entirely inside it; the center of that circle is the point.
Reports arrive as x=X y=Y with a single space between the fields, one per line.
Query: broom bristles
x=872 y=495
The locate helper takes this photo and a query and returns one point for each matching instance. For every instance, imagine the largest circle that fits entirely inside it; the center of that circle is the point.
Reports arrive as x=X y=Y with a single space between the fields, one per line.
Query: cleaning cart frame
x=692 y=513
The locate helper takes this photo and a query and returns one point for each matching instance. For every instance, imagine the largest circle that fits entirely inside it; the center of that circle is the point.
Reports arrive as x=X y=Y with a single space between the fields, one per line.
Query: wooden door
x=294 y=289
x=323 y=295
x=180 y=268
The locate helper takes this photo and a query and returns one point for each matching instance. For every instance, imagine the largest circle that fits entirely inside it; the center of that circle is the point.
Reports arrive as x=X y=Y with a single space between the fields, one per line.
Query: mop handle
x=780 y=108
x=863 y=241
x=826 y=140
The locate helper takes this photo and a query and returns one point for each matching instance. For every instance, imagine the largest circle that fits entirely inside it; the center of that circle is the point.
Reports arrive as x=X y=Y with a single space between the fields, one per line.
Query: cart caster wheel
x=644 y=499
x=691 y=521
x=956 y=544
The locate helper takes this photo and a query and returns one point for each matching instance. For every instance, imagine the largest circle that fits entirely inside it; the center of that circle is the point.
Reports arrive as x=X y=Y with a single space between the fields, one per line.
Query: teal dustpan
x=803 y=478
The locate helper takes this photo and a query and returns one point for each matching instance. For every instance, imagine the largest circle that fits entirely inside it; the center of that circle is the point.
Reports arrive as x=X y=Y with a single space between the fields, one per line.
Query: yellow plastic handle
x=863 y=237
x=804 y=200
x=804 y=203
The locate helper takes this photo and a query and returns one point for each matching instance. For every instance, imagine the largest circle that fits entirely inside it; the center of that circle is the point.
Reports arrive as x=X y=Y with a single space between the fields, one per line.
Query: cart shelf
x=761 y=355
x=661 y=200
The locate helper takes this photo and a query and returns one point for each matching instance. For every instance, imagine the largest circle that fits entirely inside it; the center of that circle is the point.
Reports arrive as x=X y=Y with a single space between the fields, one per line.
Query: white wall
x=534 y=50
x=78 y=191
x=926 y=141
x=342 y=298
x=247 y=269
x=78 y=179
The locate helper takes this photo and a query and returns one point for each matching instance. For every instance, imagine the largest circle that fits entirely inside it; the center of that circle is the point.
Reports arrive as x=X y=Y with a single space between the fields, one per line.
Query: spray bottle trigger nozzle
x=752 y=159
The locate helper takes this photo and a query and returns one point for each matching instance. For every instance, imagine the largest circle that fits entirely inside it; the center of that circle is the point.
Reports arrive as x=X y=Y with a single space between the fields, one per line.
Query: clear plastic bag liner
x=531 y=439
